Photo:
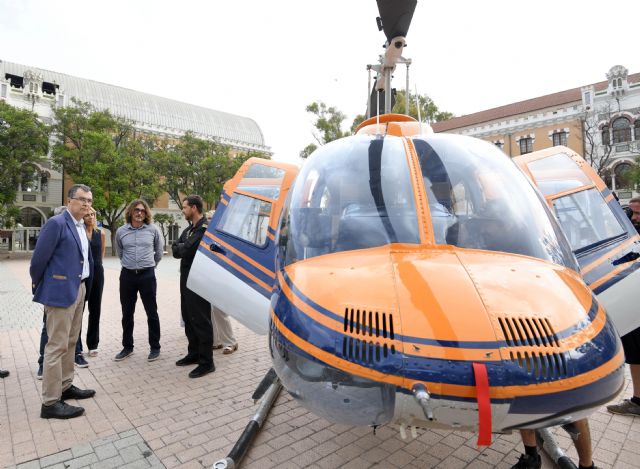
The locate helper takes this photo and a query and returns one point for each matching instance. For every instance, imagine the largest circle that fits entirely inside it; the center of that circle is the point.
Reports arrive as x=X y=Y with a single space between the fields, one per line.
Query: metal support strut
x=241 y=447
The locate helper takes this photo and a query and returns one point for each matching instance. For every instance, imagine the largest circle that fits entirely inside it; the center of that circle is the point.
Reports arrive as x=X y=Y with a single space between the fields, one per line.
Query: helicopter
x=412 y=278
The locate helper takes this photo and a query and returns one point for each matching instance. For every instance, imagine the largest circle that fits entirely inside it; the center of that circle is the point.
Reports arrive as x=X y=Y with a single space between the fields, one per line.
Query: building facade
x=41 y=91
x=600 y=121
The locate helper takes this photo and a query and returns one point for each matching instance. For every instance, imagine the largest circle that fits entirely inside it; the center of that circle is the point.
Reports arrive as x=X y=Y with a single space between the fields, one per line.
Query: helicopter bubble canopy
x=357 y=193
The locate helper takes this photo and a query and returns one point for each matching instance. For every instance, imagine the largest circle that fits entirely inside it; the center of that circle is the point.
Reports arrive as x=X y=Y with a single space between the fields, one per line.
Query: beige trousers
x=63 y=328
x=222 y=330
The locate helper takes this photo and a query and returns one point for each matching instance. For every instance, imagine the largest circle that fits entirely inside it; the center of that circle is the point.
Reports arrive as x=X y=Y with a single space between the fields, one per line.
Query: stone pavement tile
x=169 y=461
x=106 y=451
x=82 y=461
x=624 y=465
x=399 y=458
x=191 y=454
x=111 y=463
x=35 y=464
x=449 y=463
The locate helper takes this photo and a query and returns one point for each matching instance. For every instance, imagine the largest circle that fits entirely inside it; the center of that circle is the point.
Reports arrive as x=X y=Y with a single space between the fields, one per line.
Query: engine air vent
x=364 y=351
x=365 y=328
x=368 y=323
x=532 y=332
x=541 y=365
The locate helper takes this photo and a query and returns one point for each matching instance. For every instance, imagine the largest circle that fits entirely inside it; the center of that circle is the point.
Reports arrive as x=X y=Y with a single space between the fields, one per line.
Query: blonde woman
x=97 y=244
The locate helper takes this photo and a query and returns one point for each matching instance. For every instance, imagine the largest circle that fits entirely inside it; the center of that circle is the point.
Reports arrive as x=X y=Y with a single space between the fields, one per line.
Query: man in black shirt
x=196 y=311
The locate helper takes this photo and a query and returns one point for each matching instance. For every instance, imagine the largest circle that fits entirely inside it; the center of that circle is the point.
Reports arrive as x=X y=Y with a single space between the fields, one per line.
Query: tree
x=598 y=152
x=328 y=120
x=196 y=166
x=429 y=112
x=164 y=221
x=106 y=153
x=327 y=124
x=24 y=141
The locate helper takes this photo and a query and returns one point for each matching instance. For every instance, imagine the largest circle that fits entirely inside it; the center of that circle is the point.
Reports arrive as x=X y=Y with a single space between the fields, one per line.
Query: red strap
x=484 y=404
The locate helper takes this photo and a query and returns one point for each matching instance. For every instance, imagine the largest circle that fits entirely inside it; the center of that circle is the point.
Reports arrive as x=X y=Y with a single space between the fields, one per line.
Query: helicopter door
x=601 y=235
x=234 y=268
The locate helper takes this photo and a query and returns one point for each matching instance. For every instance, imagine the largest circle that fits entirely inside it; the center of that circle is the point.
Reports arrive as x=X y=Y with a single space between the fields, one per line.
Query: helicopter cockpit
x=362 y=196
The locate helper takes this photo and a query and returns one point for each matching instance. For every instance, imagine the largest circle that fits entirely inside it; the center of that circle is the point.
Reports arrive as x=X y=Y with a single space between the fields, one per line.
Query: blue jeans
x=44 y=338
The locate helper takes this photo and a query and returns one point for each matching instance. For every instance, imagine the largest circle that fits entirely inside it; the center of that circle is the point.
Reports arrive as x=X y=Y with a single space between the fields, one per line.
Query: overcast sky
x=268 y=59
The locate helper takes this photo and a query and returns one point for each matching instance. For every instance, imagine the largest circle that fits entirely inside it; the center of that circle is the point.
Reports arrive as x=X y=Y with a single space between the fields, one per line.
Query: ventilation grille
x=364 y=327
x=368 y=323
x=532 y=332
x=544 y=361
x=541 y=365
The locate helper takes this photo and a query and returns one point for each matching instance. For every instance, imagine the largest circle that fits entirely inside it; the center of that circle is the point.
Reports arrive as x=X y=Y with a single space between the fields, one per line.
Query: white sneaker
x=93 y=353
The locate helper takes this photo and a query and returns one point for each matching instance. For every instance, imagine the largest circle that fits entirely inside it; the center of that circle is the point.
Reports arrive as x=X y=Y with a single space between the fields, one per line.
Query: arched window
x=636 y=130
x=622 y=177
x=621 y=130
x=30 y=217
x=606 y=139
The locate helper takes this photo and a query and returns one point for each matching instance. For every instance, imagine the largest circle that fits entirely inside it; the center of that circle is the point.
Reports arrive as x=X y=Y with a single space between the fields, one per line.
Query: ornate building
x=600 y=121
x=41 y=90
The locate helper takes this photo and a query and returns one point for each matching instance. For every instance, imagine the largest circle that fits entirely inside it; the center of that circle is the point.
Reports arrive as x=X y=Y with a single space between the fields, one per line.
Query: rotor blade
x=396 y=16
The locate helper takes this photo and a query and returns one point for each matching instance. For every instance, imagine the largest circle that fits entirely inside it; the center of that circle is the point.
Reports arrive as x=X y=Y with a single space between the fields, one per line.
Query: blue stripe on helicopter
x=226 y=196
x=600 y=391
x=236 y=259
x=501 y=373
x=617 y=278
x=593 y=311
x=236 y=273
x=271 y=230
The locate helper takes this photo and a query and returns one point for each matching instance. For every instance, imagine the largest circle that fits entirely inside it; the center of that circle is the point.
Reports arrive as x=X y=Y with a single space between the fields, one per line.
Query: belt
x=137 y=271
x=84 y=280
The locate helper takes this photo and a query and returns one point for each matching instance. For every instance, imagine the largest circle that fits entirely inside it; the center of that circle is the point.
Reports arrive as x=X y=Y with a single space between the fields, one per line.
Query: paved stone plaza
x=153 y=415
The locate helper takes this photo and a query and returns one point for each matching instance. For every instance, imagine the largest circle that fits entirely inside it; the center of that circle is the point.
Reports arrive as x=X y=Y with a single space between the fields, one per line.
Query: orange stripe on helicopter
x=240 y=269
x=455 y=390
x=608 y=255
x=448 y=353
x=241 y=255
x=419 y=194
x=610 y=275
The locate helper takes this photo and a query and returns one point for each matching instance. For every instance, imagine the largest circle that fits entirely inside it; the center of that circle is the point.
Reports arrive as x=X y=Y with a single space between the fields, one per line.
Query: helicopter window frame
x=233 y=209
x=568 y=230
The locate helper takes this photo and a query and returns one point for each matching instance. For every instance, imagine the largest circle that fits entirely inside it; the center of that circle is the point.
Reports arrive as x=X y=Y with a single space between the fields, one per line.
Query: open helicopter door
x=601 y=235
x=234 y=268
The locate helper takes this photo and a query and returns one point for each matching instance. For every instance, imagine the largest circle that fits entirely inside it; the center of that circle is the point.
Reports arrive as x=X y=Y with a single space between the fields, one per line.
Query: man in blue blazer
x=60 y=268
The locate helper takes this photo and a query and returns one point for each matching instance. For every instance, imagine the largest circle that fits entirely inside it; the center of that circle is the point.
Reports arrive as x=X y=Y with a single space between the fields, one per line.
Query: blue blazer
x=56 y=265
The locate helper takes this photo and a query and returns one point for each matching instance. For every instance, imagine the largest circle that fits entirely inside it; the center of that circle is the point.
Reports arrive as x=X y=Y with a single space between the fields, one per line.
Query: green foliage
x=106 y=153
x=164 y=221
x=327 y=124
x=328 y=120
x=24 y=142
x=197 y=166
x=428 y=109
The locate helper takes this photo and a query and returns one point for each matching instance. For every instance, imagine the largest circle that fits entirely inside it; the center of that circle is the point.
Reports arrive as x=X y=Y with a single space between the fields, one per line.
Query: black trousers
x=196 y=314
x=95 y=307
x=132 y=283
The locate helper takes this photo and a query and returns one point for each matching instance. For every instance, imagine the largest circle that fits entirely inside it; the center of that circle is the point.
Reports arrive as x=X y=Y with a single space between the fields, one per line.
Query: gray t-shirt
x=139 y=248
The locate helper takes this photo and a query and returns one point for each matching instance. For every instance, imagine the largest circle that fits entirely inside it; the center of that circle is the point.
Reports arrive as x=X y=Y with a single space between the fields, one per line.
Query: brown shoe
x=229 y=349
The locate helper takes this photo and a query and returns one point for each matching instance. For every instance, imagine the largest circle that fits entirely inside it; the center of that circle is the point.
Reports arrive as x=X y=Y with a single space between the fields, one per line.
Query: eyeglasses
x=139 y=210
x=83 y=200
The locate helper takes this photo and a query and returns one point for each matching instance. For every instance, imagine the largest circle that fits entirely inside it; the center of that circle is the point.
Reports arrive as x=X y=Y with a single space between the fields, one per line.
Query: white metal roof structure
x=147 y=112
